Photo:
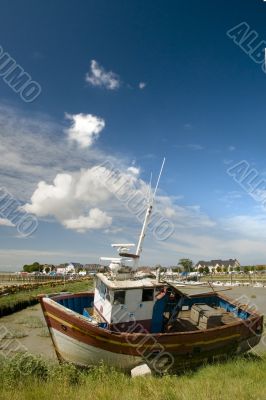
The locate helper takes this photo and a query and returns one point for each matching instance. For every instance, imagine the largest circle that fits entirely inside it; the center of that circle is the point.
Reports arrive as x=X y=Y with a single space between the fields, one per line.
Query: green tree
x=218 y=269
x=176 y=269
x=201 y=270
x=246 y=269
x=32 y=267
x=206 y=270
x=186 y=263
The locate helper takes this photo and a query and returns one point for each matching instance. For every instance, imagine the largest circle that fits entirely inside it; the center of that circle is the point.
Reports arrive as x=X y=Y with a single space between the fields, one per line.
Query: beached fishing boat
x=129 y=320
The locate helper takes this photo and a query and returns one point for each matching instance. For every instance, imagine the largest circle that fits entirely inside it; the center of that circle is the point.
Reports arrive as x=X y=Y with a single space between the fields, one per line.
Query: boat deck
x=184 y=322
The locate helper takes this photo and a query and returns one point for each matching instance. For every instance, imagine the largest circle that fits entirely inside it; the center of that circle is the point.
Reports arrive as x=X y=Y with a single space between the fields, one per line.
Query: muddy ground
x=30 y=324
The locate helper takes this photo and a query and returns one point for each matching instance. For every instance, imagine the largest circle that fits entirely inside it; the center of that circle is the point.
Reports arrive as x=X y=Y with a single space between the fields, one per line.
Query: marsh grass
x=27 y=377
x=31 y=322
x=14 y=334
x=26 y=296
x=44 y=332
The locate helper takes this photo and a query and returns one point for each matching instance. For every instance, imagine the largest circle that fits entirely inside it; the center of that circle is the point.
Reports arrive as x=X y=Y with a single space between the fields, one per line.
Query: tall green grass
x=13 y=299
x=29 y=378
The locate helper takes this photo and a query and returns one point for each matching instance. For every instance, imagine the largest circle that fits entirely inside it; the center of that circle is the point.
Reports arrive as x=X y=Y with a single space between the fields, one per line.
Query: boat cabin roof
x=128 y=283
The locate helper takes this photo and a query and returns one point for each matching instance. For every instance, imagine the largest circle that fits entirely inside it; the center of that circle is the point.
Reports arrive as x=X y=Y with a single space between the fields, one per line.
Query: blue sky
x=132 y=82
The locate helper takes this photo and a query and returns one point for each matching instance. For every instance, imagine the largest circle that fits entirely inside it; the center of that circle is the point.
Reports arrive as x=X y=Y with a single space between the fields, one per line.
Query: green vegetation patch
x=14 y=334
x=23 y=299
x=44 y=332
x=31 y=322
x=30 y=377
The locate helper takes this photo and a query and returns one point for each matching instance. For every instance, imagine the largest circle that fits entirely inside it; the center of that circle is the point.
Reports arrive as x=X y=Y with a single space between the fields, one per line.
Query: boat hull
x=83 y=354
x=78 y=341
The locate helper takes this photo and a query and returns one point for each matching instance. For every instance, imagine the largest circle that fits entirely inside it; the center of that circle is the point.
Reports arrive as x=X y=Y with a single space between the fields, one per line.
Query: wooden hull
x=78 y=341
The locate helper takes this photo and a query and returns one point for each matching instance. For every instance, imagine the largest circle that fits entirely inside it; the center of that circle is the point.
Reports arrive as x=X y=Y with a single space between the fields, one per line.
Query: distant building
x=231 y=264
x=92 y=267
x=71 y=268
x=47 y=268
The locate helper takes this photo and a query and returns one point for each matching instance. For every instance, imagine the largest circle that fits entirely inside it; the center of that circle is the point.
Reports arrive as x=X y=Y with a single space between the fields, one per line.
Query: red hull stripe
x=128 y=347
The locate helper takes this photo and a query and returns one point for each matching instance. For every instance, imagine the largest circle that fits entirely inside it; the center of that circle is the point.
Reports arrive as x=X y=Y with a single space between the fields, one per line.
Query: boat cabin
x=122 y=304
x=148 y=306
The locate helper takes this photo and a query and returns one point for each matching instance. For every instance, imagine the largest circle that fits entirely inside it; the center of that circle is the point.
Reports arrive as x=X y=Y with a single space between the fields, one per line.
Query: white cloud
x=84 y=129
x=74 y=198
x=37 y=162
x=96 y=219
x=199 y=245
x=5 y=222
x=169 y=212
x=48 y=199
x=246 y=225
x=68 y=195
x=133 y=170
x=142 y=85
x=241 y=237
x=99 y=77
x=230 y=198
x=183 y=216
x=33 y=150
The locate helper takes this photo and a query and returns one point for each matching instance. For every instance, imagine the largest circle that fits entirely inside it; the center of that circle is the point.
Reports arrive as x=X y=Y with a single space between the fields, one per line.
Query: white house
x=71 y=268
x=230 y=264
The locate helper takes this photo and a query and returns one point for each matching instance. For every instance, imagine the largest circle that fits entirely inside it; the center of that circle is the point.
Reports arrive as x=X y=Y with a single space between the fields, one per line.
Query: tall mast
x=123 y=249
x=148 y=215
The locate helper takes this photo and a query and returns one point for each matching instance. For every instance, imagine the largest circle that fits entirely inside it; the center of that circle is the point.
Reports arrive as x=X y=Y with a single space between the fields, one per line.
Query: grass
x=44 y=332
x=26 y=296
x=14 y=334
x=31 y=322
x=27 y=377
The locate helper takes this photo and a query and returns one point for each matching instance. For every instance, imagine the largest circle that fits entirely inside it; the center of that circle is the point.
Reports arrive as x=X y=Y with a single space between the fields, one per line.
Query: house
x=92 y=267
x=76 y=266
x=71 y=268
x=230 y=264
x=48 y=268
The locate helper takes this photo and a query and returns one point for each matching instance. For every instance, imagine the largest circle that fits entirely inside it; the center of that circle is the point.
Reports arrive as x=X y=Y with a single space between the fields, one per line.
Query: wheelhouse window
x=101 y=287
x=119 y=297
x=147 y=294
x=107 y=294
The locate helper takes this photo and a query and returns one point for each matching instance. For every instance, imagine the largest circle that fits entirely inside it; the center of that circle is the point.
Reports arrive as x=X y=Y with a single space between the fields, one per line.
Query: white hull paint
x=74 y=351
